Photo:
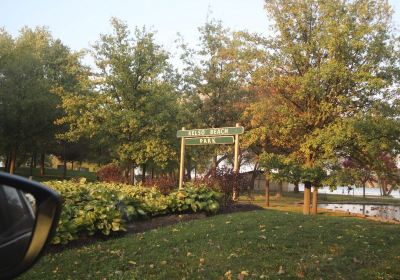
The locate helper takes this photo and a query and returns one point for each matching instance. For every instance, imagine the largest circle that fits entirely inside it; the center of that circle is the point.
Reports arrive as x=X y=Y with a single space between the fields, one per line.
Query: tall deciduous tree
x=328 y=61
x=133 y=104
x=217 y=79
x=33 y=67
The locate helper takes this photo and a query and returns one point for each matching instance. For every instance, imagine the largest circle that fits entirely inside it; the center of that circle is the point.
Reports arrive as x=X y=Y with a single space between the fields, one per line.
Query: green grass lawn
x=55 y=174
x=264 y=244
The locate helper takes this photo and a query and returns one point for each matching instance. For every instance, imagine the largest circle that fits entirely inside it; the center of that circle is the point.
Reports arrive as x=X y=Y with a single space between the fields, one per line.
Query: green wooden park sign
x=209 y=136
x=210 y=132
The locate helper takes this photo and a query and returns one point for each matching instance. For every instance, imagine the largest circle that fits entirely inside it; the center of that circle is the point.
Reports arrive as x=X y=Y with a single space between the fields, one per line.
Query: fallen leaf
x=300 y=274
x=228 y=275
x=233 y=255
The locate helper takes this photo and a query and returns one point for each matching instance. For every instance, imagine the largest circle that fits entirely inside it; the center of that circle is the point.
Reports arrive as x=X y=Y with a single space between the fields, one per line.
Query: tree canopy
x=319 y=97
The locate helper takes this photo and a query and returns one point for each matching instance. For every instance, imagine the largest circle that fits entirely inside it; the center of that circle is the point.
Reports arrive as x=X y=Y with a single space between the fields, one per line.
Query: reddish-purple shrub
x=225 y=181
x=110 y=173
x=165 y=184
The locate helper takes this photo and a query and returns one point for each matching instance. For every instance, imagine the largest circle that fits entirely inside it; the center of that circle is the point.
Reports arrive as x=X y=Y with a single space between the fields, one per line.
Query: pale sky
x=78 y=23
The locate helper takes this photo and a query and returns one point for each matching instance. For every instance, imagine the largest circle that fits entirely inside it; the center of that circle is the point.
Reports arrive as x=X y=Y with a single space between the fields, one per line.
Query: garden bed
x=149 y=224
x=95 y=209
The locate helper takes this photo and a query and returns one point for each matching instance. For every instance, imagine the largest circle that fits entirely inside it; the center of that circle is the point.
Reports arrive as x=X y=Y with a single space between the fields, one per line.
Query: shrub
x=165 y=183
x=195 y=198
x=92 y=208
x=103 y=208
x=110 y=173
x=224 y=181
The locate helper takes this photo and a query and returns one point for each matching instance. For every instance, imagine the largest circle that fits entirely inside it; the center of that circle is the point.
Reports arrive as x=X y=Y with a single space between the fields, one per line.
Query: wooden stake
x=314 y=210
x=182 y=162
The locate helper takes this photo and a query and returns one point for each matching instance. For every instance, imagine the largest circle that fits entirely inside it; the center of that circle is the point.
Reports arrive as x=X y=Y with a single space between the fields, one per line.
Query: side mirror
x=29 y=214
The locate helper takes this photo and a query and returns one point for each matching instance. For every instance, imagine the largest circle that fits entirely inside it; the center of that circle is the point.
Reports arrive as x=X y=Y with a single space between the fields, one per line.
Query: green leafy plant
x=103 y=208
x=194 y=199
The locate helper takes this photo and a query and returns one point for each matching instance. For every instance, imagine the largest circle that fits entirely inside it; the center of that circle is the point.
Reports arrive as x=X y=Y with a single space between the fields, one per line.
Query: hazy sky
x=78 y=23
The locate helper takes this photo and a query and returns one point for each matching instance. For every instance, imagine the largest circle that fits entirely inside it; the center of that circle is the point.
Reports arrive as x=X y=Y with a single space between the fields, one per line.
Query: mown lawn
x=264 y=244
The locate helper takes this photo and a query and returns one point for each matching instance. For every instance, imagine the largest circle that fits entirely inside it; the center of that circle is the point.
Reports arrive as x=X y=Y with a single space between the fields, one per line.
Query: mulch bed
x=149 y=224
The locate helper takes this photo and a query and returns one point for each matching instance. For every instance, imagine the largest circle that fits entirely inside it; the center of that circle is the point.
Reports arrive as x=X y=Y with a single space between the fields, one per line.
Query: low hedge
x=92 y=208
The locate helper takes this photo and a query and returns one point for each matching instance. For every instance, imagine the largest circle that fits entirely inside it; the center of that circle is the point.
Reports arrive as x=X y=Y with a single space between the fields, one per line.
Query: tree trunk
x=307 y=192
x=214 y=165
x=315 y=201
x=65 y=162
x=126 y=174
x=64 y=169
x=189 y=168
x=152 y=172
x=13 y=159
x=389 y=190
x=279 y=193
x=382 y=185
x=296 y=187
x=72 y=165
x=144 y=173
x=266 y=189
x=34 y=156
x=42 y=156
x=7 y=165
x=31 y=166
x=131 y=173
x=363 y=186
x=253 y=180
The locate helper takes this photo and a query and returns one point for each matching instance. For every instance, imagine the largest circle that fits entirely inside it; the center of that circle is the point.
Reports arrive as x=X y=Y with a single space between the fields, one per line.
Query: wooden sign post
x=182 y=162
x=236 y=165
x=208 y=136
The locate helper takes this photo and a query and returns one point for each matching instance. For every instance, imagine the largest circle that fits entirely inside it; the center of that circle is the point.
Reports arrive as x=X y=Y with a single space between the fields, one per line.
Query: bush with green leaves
x=103 y=208
x=92 y=208
x=195 y=198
